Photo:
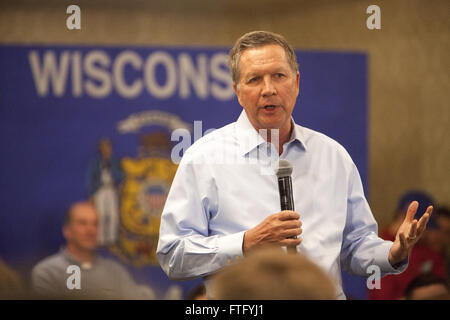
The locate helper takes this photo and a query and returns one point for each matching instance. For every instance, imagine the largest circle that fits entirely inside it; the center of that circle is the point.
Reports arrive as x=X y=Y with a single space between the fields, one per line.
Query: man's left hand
x=408 y=234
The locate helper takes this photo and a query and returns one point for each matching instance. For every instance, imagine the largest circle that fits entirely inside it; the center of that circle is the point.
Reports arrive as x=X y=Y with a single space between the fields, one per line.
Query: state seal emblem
x=146 y=183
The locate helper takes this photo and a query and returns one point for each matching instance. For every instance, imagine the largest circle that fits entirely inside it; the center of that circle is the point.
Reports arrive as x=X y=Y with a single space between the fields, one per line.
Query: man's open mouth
x=270 y=107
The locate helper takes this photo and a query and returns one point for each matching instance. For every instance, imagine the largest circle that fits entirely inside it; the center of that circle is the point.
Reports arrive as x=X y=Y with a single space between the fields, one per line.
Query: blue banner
x=59 y=103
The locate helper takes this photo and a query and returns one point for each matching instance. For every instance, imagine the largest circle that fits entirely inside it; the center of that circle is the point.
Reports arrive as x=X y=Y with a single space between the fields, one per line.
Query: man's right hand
x=274 y=230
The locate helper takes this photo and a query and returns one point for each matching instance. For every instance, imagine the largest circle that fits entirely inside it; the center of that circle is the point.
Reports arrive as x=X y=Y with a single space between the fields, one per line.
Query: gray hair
x=257 y=39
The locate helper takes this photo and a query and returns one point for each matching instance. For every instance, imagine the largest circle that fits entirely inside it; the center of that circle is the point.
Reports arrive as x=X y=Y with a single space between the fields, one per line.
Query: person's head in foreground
x=272 y=274
x=427 y=287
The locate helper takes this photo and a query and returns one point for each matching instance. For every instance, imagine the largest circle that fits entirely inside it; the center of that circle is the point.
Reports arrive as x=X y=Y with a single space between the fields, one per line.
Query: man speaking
x=217 y=211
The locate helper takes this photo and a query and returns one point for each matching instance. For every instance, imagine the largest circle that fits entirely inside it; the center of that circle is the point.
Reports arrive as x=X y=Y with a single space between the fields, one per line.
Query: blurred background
x=407 y=69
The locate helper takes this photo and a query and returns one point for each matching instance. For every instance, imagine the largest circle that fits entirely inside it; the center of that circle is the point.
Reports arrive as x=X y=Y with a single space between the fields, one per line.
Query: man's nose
x=268 y=87
x=93 y=229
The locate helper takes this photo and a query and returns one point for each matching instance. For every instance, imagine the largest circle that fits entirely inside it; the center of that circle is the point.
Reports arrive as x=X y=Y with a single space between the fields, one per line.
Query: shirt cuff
x=230 y=246
x=385 y=265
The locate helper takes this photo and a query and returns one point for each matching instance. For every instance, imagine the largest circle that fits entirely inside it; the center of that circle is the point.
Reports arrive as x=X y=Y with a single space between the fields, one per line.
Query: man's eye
x=279 y=75
x=254 y=79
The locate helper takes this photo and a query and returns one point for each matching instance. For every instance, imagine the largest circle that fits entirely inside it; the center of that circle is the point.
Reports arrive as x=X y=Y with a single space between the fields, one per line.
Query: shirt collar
x=247 y=135
x=249 y=138
x=298 y=135
x=72 y=260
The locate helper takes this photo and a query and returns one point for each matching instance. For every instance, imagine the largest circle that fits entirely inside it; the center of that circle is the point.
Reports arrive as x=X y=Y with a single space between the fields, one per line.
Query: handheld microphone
x=283 y=172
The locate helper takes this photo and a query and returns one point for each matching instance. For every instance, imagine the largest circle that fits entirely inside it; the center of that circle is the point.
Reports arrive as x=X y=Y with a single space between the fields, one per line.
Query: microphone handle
x=287 y=202
x=286 y=197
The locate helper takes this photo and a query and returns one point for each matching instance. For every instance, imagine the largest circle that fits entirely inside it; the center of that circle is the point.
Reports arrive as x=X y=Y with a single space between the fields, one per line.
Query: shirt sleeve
x=186 y=250
x=361 y=246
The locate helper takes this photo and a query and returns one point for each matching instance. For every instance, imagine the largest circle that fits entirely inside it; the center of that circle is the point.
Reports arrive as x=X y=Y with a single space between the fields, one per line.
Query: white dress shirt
x=225 y=185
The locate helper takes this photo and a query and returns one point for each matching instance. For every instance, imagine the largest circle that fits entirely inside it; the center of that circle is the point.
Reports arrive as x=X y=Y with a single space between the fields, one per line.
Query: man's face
x=268 y=87
x=82 y=230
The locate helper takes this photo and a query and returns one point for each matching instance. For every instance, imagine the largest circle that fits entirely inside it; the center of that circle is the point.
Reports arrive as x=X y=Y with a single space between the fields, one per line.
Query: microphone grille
x=284 y=169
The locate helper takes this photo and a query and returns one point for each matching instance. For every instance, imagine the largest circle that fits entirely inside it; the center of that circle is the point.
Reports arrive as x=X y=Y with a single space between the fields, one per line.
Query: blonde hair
x=273 y=274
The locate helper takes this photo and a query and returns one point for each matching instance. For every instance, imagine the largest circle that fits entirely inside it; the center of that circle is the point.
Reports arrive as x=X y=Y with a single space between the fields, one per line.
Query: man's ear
x=66 y=233
x=297 y=79
x=237 y=91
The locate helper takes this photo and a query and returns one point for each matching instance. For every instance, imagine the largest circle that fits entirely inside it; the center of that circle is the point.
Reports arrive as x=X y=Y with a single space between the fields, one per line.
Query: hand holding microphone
x=284 y=172
x=281 y=228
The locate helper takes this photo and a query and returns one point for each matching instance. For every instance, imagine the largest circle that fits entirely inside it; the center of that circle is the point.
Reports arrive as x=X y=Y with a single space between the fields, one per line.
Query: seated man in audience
x=443 y=218
x=77 y=271
x=270 y=273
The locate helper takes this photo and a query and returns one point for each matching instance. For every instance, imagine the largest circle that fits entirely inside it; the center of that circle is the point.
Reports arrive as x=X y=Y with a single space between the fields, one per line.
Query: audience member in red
x=443 y=219
x=426 y=257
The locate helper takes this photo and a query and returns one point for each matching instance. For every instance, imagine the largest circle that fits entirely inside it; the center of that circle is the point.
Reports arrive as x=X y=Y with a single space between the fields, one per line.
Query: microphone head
x=284 y=169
